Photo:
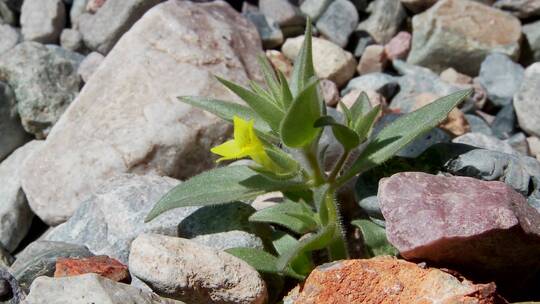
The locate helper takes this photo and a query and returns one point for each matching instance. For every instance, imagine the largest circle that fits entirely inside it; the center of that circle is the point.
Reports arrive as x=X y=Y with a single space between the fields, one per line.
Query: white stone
x=9 y=37
x=527 y=101
x=127 y=118
x=330 y=60
x=184 y=270
x=89 y=65
x=43 y=20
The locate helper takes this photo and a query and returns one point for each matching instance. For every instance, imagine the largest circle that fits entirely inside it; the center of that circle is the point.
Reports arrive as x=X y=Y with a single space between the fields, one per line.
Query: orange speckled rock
x=102 y=265
x=385 y=280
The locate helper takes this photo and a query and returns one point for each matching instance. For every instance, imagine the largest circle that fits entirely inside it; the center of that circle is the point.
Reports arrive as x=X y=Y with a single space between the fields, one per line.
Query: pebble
x=314 y=8
x=330 y=60
x=43 y=20
x=229 y=239
x=373 y=60
x=477 y=226
x=330 y=92
x=44 y=80
x=531 y=31
x=184 y=270
x=478 y=125
x=384 y=21
x=520 y=8
x=283 y=12
x=485 y=142
x=9 y=37
x=387 y=280
x=39 y=259
x=14 y=211
x=452 y=76
x=361 y=40
x=89 y=288
x=504 y=124
x=101 y=30
x=381 y=83
x=279 y=62
x=102 y=265
x=501 y=77
x=518 y=141
x=13 y=134
x=78 y=7
x=417 y=6
x=89 y=65
x=154 y=135
x=534 y=146
x=338 y=22
x=527 y=101
x=399 y=46
x=271 y=34
x=71 y=39
x=460 y=34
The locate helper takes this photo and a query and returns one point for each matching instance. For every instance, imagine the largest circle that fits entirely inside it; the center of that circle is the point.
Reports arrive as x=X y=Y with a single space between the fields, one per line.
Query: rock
x=282 y=11
x=6 y=15
x=455 y=123
x=44 y=80
x=460 y=34
x=330 y=92
x=124 y=126
x=454 y=77
x=9 y=37
x=14 y=211
x=381 y=83
x=89 y=65
x=519 y=143
x=71 y=39
x=478 y=125
x=77 y=9
x=267 y=200
x=110 y=233
x=184 y=270
x=417 y=80
x=485 y=142
x=501 y=77
x=470 y=225
x=43 y=20
x=101 y=31
x=268 y=29
x=314 y=8
x=384 y=21
x=504 y=125
x=338 y=22
x=102 y=265
x=534 y=146
x=361 y=40
x=13 y=134
x=5 y=259
x=387 y=280
x=417 y=6
x=39 y=259
x=89 y=288
x=94 y=5
x=370 y=205
x=374 y=99
x=279 y=62
x=515 y=170
x=527 y=101
x=399 y=46
x=373 y=60
x=531 y=32
x=229 y=239
x=329 y=59
x=520 y=8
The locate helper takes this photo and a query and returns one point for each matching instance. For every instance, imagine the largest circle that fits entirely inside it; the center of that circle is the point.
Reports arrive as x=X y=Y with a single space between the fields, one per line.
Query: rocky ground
x=92 y=135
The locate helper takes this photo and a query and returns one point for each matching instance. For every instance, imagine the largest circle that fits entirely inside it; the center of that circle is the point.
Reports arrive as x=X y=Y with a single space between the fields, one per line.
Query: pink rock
x=474 y=226
x=94 y=5
x=399 y=46
x=330 y=92
x=373 y=60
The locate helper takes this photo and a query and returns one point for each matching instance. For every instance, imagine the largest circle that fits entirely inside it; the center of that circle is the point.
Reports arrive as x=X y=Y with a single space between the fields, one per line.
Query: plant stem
x=313 y=161
x=337 y=249
x=339 y=165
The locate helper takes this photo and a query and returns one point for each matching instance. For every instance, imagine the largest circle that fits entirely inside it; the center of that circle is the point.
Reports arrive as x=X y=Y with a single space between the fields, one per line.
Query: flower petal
x=227 y=149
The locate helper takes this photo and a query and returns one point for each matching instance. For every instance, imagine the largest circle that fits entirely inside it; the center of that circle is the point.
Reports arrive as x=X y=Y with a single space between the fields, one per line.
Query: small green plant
x=279 y=130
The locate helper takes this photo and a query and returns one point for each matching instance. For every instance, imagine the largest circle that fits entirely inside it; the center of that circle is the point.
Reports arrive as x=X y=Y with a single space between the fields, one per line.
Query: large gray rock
x=102 y=29
x=463 y=223
x=384 y=21
x=338 y=22
x=14 y=210
x=484 y=141
x=127 y=117
x=460 y=34
x=9 y=37
x=527 y=101
x=532 y=35
x=39 y=259
x=45 y=81
x=114 y=215
x=184 y=270
x=501 y=77
x=43 y=20
x=13 y=134
x=89 y=288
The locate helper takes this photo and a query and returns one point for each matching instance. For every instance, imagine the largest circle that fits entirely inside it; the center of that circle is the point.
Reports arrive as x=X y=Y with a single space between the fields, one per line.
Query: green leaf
x=261 y=260
x=288 y=214
x=360 y=107
x=346 y=137
x=218 y=186
x=266 y=109
x=403 y=131
x=286 y=94
x=297 y=128
x=283 y=242
x=346 y=112
x=364 y=124
x=280 y=176
x=315 y=241
x=270 y=79
x=303 y=69
x=375 y=241
x=282 y=159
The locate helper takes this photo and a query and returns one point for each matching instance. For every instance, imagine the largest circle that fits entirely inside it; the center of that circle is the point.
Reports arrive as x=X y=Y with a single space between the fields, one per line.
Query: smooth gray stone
x=485 y=142
x=501 y=78
x=384 y=21
x=527 y=101
x=531 y=32
x=505 y=122
x=478 y=125
x=271 y=34
x=230 y=239
x=9 y=37
x=379 y=82
x=361 y=40
x=314 y=8
x=338 y=22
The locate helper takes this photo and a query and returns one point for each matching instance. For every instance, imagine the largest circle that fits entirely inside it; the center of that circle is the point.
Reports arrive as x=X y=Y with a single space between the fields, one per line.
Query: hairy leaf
x=364 y=123
x=290 y=215
x=261 y=260
x=375 y=241
x=303 y=69
x=346 y=137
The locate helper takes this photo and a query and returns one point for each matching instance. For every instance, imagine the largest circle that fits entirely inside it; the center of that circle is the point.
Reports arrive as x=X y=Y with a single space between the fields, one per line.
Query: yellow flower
x=245 y=144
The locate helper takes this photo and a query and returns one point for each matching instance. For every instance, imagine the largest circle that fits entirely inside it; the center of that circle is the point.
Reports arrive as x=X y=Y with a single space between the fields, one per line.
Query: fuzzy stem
x=313 y=162
x=337 y=249
x=339 y=165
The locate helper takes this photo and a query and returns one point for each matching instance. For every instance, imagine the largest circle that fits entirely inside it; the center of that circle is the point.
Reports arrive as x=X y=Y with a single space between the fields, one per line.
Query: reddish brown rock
x=279 y=62
x=330 y=92
x=399 y=46
x=474 y=226
x=373 y=60
x=385 y=280
x=102 y=265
